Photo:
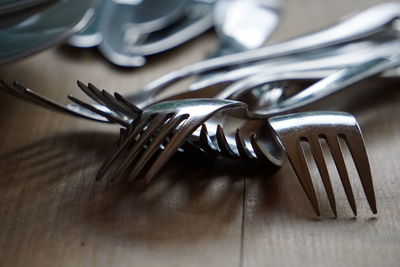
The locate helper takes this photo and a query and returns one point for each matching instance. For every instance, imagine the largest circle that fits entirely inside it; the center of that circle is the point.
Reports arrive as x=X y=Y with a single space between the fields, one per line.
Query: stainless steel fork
x=312 y=127
x=160 y=128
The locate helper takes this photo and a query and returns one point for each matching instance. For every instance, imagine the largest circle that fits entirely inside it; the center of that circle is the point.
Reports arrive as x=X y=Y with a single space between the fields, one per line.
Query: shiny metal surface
x=320 y=61
x=127 y=45
x=150 y=15
x=90 y=35
x=211 y=138
x=239 y=31
x=165 y=126
x=123 y=25
x=313 y=127
x=356 y=27
x=333 y=83
x=198 y=19
x=47 y=28
x=155 y=133
x=31 y=96
x=244 y=25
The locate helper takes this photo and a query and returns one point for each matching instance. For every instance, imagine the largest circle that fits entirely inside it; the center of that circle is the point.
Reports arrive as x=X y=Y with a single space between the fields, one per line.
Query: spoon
x=244 y=25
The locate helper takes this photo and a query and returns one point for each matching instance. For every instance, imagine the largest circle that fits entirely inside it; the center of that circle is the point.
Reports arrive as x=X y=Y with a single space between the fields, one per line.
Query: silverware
x=312 y=128
x=385 y=12
x=124 y=25
x=244 y=25
x=322 y=61
x=90 y=35
x=29 y=95
x=354 y=28
x=166 y=124
x=233 y=147
x=198 y=19
x=127 y=31
x=324 y=87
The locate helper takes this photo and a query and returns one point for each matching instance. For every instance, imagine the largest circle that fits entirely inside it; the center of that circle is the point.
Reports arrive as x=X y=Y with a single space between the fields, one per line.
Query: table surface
x=196 y=212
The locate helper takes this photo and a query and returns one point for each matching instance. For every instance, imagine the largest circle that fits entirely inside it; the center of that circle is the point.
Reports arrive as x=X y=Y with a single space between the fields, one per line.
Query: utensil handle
x=336 y=82
x=358 y=26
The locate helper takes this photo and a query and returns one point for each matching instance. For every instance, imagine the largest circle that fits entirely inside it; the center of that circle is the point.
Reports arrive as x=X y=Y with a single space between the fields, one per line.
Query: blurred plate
x=12 y=6
x=44 y=29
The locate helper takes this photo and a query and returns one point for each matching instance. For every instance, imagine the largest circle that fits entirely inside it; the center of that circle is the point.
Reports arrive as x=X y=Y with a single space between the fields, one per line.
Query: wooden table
x=196 y=213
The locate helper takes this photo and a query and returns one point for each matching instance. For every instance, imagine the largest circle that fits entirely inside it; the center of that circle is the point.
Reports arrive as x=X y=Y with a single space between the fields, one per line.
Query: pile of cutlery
x=254 y=118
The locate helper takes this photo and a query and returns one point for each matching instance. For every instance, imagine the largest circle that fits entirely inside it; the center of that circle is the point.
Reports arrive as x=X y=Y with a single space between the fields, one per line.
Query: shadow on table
x=192 y=198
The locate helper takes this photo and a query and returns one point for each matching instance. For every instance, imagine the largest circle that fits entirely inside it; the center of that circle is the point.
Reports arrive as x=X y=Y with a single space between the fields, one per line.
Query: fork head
x=312 y=127
x=156 y=133
x=256 y=146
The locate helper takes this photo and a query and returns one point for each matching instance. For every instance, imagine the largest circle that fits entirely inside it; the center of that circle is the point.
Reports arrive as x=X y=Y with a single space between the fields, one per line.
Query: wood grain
x=198 y=212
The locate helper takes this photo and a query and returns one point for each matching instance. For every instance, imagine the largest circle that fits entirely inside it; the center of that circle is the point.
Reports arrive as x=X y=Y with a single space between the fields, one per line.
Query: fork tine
x=91 y=91
x=169 y=127
x=205 y=140
x=241 y=146
x=358 y=152
x=261 y=155
x=321 y=164
x=337 y=155
x=298 y=161
x=31 y=96
x=122 y=136
x=125 y=102
x=132 y=131
x=154 y=124
x=109 y=116
x=173 y=144
x=223 y=145
x=116 y=105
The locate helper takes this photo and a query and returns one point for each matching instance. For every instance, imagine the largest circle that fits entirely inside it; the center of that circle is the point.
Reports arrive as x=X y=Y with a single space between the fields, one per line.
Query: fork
x=160 y=128
x=311 y=127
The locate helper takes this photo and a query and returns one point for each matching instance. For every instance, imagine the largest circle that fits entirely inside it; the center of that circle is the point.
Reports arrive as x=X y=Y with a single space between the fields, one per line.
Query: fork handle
x=334 y=83
x=361 y=25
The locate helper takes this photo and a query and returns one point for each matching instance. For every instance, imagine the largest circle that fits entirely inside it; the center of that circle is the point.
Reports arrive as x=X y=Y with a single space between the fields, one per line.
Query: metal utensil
x=312 y=128
x=333 y=83
x=197 y=19
x=244 y=25
x=90 y=35
x=320 y=61
x=357 y=27
x=127 y=23
x=166 y=124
